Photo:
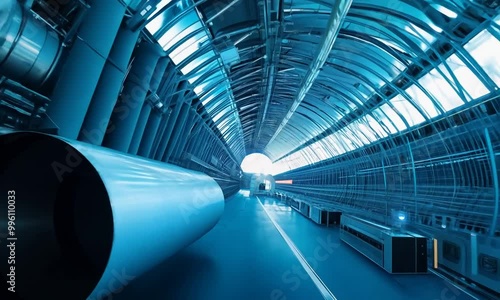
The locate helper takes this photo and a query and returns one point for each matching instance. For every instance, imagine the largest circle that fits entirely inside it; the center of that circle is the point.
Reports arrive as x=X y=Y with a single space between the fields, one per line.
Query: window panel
x=157 y=23
x=473 y=87
x=421 y=99
x=441 y=90
x=484 y=48
x=375 y=125
x=354 y=134
x=390 y=118
x=221 y=114
x=179 y=30
x=367 y=132
x=320 y=150
x=407 y=110
x=197 y=61
x=420 y=34
x=187 y=48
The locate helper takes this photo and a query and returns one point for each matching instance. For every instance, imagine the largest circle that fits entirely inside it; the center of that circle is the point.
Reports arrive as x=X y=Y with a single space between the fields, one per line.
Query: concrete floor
x=245 y=257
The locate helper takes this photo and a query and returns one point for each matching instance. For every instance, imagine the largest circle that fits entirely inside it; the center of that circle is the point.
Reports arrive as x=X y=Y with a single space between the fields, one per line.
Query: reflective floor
x=245 y=257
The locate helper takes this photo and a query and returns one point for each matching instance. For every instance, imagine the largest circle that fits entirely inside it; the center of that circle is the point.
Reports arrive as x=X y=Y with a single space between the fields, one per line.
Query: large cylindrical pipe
x=29 y=50
x=95 y=217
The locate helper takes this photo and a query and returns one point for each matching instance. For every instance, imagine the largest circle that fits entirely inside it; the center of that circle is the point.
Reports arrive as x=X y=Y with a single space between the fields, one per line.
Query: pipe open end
x=59 y=220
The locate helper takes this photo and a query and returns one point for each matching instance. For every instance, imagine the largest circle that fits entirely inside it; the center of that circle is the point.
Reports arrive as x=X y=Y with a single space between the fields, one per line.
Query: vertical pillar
x=180 y=126
x=108 y=88
x=151 y=130
x=139 y=128
x=82 y=68
x=169 y=126
x=166 y=138
x=159 y=135
x=166 y=92
x=158 y=75
x=127 y=111
x=184 y=138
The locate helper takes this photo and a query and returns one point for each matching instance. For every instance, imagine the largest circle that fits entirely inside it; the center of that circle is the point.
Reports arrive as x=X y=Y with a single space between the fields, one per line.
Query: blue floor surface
x=245 y=257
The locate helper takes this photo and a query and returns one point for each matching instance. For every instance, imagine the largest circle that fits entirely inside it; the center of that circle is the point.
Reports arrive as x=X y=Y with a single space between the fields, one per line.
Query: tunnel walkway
x=245 y=257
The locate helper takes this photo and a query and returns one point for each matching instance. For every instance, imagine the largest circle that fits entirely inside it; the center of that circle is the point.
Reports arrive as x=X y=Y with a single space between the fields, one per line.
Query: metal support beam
x=220 y=12
x=271 y=64
x=494 y=177
x=337 y=16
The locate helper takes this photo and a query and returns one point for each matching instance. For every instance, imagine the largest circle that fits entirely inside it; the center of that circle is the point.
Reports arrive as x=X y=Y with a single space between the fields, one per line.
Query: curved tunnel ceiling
x=305 y=80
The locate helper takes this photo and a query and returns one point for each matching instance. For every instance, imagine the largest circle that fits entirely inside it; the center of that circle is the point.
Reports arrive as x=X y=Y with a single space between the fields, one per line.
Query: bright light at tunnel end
x=257 y=163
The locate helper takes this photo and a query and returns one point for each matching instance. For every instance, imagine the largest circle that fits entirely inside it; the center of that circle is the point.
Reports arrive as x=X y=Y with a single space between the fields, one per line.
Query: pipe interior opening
x=63 y=217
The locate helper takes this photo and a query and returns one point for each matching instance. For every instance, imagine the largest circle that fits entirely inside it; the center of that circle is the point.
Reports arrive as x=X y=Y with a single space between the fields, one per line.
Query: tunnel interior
x=380 y=120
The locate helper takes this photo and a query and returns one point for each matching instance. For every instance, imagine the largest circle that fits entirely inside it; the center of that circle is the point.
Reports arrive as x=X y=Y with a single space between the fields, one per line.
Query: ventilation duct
x=29 y=50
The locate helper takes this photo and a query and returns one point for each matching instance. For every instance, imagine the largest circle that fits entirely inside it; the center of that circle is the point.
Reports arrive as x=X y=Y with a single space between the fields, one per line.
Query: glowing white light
x=257 y=163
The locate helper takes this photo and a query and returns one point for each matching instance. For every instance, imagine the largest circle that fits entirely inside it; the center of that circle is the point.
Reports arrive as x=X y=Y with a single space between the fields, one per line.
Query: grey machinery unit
x=319 y=215
x=473 y=257
x=92 y=214
x=395 y=252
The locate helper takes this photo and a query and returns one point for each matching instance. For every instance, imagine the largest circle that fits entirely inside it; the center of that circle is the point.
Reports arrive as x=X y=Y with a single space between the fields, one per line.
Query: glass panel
x=161 y=5
x=366 y=131
x=421 y=99
x=355 y=134
x=197 y=61
x=420 y=34
x=390 y=44
x=390 y=118
x=441 y=90
x=473 y=87
x=375 y=125
x=484 y=48
x=320 y=151
x=407 y=110
x=192 y=78
x=188 y=47
x=179 y=30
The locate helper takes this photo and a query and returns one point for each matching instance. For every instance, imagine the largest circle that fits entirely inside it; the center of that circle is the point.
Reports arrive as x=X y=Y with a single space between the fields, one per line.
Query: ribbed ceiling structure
x=305 y=80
